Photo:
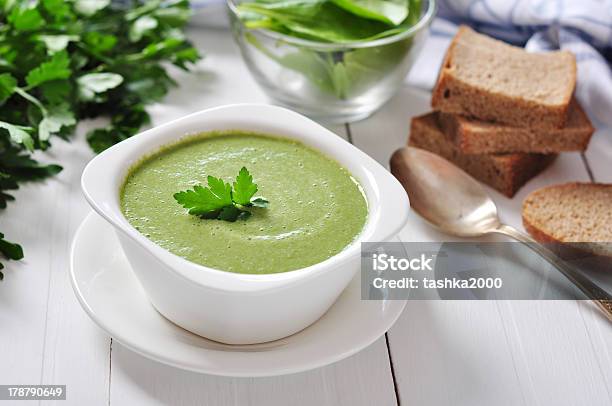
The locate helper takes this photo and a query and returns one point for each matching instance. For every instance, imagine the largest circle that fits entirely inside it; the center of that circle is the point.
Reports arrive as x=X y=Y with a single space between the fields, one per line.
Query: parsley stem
x=21 y=92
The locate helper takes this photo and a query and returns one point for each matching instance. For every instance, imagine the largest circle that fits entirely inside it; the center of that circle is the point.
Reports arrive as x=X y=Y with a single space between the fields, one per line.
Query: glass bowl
x=326 y=81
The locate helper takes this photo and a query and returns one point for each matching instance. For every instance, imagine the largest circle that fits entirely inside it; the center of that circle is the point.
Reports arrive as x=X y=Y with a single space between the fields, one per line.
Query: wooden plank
x=363 y=379
x=453 y=353
x=24 y=291
x=509 y=352
x=76 y=352
x=598 y=159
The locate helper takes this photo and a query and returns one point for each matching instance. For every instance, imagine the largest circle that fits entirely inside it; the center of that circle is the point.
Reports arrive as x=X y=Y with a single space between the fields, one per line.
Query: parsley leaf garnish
x=244 y=188
x=203 y=200
x=220 y=201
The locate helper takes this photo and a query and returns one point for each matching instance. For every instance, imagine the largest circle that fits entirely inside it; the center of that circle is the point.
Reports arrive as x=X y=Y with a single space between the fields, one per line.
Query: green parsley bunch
x=62 y=61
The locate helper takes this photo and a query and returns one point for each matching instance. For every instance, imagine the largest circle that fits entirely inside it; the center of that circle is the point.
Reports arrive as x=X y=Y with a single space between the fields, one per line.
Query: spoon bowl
x=444 y=195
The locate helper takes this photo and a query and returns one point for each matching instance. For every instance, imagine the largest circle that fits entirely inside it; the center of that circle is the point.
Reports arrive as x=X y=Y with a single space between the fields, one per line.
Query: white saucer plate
x=111 y=295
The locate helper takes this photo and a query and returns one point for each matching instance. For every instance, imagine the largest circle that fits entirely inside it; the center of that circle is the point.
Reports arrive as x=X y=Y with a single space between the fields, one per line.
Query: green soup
x=316 y=207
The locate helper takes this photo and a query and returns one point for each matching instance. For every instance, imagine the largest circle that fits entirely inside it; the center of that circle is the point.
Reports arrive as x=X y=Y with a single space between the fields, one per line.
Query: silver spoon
x=455 y=203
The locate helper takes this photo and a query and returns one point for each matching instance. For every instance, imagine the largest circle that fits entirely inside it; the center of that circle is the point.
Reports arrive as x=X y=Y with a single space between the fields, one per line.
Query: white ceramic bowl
x=240 y=308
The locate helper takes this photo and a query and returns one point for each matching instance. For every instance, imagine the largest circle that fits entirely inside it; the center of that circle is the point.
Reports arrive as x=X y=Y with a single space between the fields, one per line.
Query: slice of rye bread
x=473 y=136
x=571 y=213
x=490 y=80
x=503 y=172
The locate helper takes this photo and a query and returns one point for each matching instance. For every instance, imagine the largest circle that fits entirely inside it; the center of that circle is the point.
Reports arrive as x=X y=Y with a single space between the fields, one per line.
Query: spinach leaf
x=336 y=21
x=342 y=74
x=318 y=20
x=414 y=11
x=388 y=11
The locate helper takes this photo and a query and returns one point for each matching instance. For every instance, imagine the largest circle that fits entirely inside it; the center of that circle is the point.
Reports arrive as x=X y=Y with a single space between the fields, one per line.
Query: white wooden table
x=438 y=353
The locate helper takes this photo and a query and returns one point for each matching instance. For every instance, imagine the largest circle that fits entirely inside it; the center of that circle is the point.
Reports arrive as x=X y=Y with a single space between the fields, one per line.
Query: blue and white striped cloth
x=583 y=27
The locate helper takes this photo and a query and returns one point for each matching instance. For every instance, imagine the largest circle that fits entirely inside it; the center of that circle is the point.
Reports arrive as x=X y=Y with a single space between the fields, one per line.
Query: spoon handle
x=602 y=299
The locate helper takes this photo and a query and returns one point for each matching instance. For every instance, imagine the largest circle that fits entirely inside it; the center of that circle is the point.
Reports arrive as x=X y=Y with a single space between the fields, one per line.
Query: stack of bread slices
x=502 y=113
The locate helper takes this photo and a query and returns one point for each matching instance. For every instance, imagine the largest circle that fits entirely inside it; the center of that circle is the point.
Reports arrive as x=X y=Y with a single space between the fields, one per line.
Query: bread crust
x=537 y=233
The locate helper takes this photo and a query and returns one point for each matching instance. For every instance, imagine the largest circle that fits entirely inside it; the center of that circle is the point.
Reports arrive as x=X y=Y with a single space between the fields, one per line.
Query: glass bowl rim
x=423 y=22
